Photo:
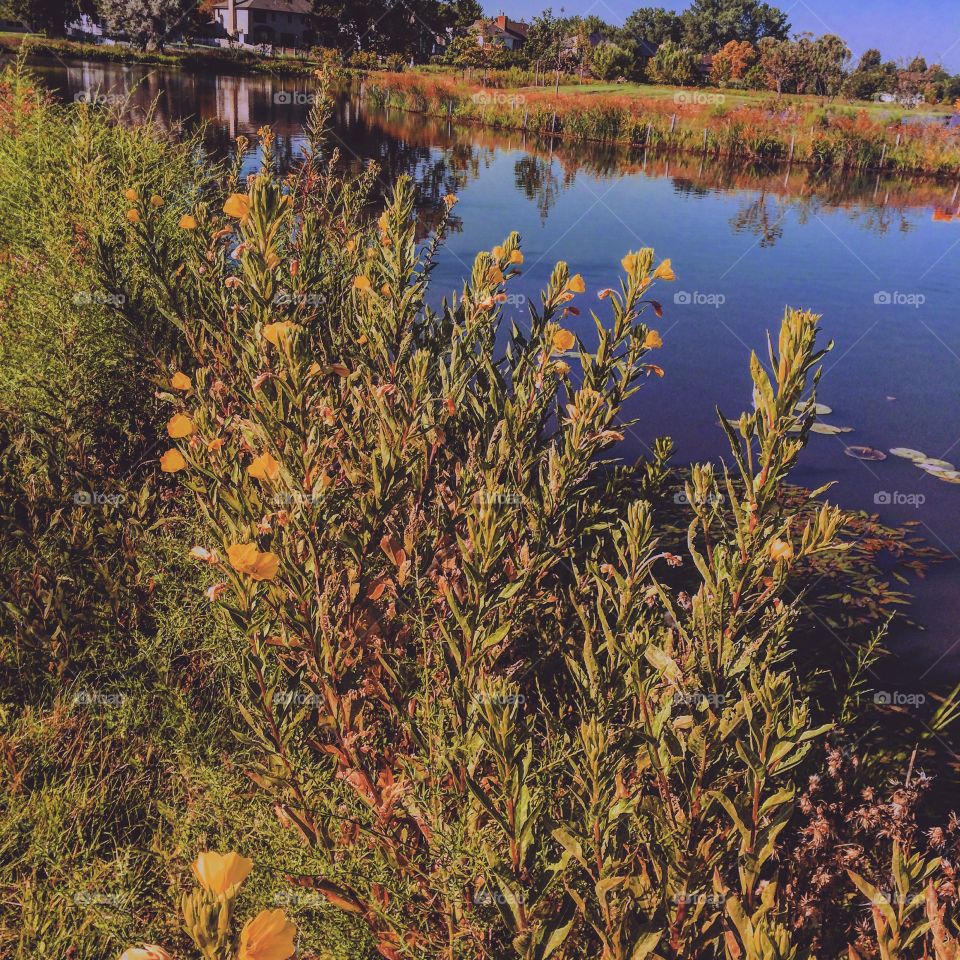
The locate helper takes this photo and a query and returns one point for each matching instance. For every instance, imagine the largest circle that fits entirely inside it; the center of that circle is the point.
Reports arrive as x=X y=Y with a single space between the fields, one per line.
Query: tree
x=653 y=25
x=778 y=60
x=732 y=62
x=829 y=56
x=709 y=24
x=871 y=60
x=547 y=43
x=45 y=16
x=674 y=65
x=610 y=61
x=148 y=23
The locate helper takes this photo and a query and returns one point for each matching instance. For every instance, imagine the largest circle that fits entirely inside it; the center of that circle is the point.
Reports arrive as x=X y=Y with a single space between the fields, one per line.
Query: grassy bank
x=192 y=58
x=837 y=137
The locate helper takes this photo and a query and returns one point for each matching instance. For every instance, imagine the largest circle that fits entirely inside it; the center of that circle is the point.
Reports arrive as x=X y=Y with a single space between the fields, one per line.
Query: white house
x=284 y=23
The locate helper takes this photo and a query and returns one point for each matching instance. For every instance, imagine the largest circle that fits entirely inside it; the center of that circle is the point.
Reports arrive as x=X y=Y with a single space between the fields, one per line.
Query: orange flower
x=277 y=333
x=156 y=201
x=180 y=381
x=561 y=368
x=362 y=284
x=563 y=340
x=215 y=445
x=664 y=272
x=516 y=257
x=180 y=426
x=187 y=222
x=653 y=340
x=246 y=558
x=133 y=216
x=131 y=195
x=497 y=253
x=264 y=467
x=268 y=936
x=172 y=461
x=217 y=873
x=237 y=206
x=781 y=550
x=629 y=262
x=576 y=284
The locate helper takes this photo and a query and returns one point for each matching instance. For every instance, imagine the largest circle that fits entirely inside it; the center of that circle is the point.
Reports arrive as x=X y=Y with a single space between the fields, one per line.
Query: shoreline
x=815 y=139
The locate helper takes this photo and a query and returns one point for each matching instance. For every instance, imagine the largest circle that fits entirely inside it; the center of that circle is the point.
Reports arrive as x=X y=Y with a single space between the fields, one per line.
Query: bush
x=506 y=713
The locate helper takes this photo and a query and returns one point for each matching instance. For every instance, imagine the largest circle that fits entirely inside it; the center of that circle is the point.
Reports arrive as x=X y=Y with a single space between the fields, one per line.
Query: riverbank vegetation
x=365 y=591
x=845 y=139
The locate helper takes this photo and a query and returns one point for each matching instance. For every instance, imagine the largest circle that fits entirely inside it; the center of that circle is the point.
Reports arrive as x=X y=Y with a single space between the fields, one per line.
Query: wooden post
x=898 y=138
x=793 y=144
x=526 y=117
x=646 y=142
x=883 y=156
x=553 y=123
x=673 y=123
x=704 y=139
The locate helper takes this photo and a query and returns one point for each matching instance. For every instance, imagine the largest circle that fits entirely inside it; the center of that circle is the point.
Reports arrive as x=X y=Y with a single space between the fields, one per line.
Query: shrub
x=507 y=719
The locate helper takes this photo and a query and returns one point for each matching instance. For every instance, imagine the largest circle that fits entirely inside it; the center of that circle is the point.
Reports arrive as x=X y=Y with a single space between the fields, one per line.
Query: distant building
x=501 y=32
x=284 y=23
x=85 y=28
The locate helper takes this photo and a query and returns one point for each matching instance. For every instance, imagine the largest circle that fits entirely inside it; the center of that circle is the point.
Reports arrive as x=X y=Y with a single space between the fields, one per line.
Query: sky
x=898 y=29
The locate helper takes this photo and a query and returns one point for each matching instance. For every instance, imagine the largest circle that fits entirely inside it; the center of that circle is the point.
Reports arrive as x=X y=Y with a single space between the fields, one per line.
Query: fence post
x=793 y=144
x=673 y=123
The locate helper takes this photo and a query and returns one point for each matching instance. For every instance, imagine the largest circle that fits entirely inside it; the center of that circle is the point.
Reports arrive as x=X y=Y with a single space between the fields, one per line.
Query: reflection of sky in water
x=744 y=244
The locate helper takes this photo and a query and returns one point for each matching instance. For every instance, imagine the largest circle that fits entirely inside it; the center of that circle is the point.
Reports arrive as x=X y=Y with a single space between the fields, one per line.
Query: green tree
x=653 y=25
x=709 y=24
x=148 y=23
x=674 y=65
x=830 y=56
x=610 y=61
x=45 y=16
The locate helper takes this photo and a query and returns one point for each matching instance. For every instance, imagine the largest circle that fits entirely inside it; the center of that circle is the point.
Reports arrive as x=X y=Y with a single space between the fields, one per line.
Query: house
x=705 y=67
x=85 y=27
x=284 y=23
x=501 y=32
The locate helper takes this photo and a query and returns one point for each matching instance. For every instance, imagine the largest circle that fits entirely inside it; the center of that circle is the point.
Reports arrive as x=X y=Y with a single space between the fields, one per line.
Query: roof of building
x=302 y=7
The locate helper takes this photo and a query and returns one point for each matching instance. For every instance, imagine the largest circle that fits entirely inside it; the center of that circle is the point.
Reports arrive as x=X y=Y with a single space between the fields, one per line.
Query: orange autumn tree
x=732 y=62
x=472 y=679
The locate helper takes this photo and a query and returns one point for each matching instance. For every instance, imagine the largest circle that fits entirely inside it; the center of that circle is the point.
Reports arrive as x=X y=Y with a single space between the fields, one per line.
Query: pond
x=879 y=259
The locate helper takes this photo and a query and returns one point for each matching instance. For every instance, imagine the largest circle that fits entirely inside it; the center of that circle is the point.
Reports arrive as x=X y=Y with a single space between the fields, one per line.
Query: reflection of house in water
x=286 y=23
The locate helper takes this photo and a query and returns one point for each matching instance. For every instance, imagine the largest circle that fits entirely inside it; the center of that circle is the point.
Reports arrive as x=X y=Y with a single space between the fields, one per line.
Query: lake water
x=879 y=259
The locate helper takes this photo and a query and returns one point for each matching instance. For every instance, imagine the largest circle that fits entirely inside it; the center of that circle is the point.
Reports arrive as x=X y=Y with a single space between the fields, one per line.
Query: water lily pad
x=908 y=454
x=829 y=429
x=864 y=453
x=929 y=463
x=947 y=476
x=820 y=409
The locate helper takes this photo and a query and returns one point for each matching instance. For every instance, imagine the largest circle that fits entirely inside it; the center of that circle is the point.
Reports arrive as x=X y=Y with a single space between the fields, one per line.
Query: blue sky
x=899 y=29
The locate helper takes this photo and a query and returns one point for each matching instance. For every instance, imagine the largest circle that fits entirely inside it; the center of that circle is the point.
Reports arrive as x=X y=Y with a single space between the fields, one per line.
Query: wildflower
x=180 y=381
x=664 y=272
x=179 y=426
x=231 y=283
x=133 y=215
x=237 y=206
x=172 y=461
x=362 y=284
x=563 y=340
x=576 y=284
x=561 y=368
x=149 y=951
x=217 y=873
x=294 y=267
x=264 y=467
x=213 y=593
x=653 y=340
x=246 y=558
x=156 y=201
x=187 y=222
x=497 y=253
x=268 y=936
x=131 y=195
x=603 y=294
x=277 y=333
x=629 y=262
x=214 y=445
x=781 y=550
